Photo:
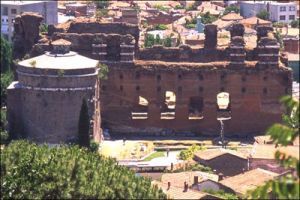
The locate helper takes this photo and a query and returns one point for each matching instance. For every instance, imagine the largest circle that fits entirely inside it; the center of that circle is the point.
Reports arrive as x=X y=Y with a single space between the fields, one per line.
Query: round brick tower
x=44 y=104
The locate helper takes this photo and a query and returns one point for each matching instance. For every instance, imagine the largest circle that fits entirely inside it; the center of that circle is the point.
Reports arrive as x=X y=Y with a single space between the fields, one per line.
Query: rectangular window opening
x=140 y=111
x=196 y=108
x=168 y=108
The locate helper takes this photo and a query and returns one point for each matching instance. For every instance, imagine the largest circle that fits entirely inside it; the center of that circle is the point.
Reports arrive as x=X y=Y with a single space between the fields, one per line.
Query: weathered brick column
x=268 y=52
x=237 y=53
x=100 y=49
x=127 y=52
x=211 y=34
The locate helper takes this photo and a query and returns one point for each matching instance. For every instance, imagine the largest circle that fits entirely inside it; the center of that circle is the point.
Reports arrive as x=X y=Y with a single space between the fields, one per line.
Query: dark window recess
x=121 y=88
x=121 y=76
x=244 y=79
x=265 y=78
x=222 y=89
x=200 y=76
x=103 y=88
x=265 y=91
x=196 y=108
x=179 y=89
x=179 y=76
x=13 y=11
x=222 y=77
x=121 y=102
x=200 y=89
x=137 y=88
x=137 y=75
x=243 y=90
x=158 y=89
x=158 y=77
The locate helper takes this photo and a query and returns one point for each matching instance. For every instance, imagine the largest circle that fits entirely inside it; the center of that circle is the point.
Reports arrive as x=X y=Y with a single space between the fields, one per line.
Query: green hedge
x=30 y=171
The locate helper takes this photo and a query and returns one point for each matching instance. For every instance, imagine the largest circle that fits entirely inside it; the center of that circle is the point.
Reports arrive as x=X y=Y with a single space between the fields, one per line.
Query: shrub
x=190 y=26
x=30 y=171
x=295 y=23
x=177 y=7
x=6 y=55
x=6 y=79
x=207 y=18
x=160 y=27
x=161 y=8
x=263 y=14
x=103 y=71
x=221 y=194
x=33 y=63
x=230 y=9
x=188 y=154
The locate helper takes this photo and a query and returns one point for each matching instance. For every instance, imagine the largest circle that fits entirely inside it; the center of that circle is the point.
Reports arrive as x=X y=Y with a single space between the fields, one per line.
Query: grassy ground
x=156 y=154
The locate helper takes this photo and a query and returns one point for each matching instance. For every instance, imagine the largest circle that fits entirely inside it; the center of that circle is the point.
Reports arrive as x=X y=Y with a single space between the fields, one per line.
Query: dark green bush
x=30 y=171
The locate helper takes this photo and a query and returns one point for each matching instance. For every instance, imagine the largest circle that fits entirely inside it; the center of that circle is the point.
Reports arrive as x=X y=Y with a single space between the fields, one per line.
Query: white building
x=279 y=11
x=10 y=9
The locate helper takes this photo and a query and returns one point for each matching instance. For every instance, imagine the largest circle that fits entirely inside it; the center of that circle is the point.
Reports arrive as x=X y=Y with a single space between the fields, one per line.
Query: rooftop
x=267 y=151
x=210 y=154
x=178 y=193
x=71 y=60
x=249 y=180
x=253 y=21
x=232 y=17
x=178 y=179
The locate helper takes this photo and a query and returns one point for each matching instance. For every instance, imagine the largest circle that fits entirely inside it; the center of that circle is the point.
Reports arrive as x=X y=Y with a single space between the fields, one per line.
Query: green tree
x=286 y=187
x=168 y=42
x=31 y=171
x=6 y=55
x=263 y=14
x=231 y=8
x=84 y=126
x=43 y=28
x=158 y=40
x=207 y=18
x=149 y=40
x=295 y=23
x=3 y=125
x=103 y=71
x=160 y=27
x=6 y=79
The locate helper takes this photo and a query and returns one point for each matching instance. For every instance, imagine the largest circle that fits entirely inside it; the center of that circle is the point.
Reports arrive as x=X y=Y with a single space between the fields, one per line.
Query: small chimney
x=221 y=176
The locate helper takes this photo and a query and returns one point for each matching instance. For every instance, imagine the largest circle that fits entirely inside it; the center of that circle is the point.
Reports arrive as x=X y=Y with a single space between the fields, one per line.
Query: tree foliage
x=231 y=8
x=188 y=154
x=6 y=79
x=295 y=23
x=84 y=125
x=103 y=71
x=263 y=14
x=207 y=18
x=286 y=187
x=30 y=171
x=3 y=125
x=6 y=55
